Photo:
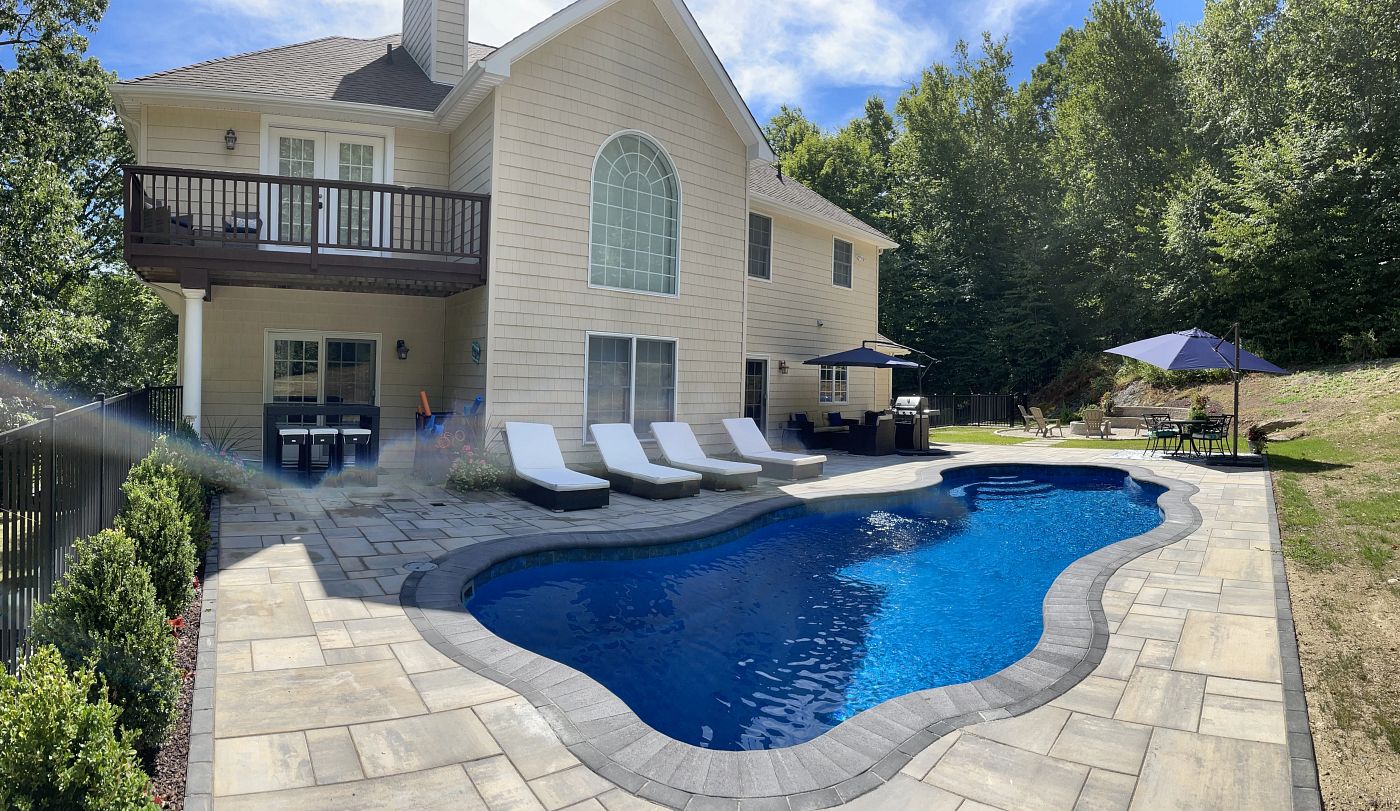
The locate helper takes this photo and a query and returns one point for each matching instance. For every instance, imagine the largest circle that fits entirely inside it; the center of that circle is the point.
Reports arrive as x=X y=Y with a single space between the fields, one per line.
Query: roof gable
x=495 y=68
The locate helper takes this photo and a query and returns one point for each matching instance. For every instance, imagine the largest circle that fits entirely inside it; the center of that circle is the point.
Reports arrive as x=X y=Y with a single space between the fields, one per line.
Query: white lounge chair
x=631 y=471
x=543 y=478
x=752 y=446
x=680 y=449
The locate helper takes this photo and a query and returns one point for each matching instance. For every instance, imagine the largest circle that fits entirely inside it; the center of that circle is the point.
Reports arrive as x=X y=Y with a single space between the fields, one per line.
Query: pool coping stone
x=854 y=757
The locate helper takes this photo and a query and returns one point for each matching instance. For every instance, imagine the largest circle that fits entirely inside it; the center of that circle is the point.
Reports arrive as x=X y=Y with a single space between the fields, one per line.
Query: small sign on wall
x=476 y=352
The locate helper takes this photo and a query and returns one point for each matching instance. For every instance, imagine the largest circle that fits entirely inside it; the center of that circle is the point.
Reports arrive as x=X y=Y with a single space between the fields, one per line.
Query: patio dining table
x=1187 y=431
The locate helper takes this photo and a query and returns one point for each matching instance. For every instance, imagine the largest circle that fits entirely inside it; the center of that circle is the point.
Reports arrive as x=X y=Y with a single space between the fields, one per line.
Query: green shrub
x=154 y=520
x=169 y=459
x=1160 y=378
x=103 y=612
x=57 y=750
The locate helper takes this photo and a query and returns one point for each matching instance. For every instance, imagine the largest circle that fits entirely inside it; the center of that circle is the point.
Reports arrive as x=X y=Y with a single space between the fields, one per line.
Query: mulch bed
x=173 y=759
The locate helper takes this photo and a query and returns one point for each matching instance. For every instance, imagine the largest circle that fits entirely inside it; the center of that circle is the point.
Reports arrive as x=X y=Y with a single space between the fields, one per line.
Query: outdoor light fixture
x=782 y=367
x=820 y=323
x=230 y=139
x=402 y=350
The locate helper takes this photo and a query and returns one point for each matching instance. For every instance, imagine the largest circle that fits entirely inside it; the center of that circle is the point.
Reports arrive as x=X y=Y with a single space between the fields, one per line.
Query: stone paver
x=325 y=695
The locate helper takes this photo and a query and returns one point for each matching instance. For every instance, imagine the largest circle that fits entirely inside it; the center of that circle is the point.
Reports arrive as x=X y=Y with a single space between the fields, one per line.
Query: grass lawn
x=974 y=435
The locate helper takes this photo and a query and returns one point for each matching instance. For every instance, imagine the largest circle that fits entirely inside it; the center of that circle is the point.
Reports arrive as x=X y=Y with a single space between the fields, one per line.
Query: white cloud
x=776 y=51
x=1001 y=17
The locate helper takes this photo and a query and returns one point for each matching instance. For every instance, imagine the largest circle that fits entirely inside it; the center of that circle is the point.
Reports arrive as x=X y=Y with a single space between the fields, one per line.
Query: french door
x=756 y=392
x=315 y=368
x=342 y=218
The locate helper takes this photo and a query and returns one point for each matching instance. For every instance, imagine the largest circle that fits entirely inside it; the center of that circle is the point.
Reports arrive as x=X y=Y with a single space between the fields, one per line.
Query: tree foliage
x=1243 y=169
x=73 y=318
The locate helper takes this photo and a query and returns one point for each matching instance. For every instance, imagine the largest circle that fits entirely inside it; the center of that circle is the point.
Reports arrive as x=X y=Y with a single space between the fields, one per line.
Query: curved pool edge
x=852 y=758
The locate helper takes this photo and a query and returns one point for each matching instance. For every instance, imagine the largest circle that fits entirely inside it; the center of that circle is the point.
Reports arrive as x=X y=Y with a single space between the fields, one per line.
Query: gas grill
x=911 y=423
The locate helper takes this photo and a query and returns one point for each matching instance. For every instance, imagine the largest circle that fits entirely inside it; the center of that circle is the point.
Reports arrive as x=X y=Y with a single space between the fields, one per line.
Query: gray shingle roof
x=764 y=180
x=327 y=69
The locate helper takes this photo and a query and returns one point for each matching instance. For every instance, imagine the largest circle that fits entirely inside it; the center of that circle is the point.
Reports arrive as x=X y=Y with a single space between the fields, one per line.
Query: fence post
x=48 y=507
x=102 y=460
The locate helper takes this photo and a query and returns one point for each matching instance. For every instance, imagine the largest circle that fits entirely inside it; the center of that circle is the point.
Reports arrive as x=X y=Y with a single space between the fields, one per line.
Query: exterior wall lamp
x=230 y=139
x=402 y=350
x=782 y=367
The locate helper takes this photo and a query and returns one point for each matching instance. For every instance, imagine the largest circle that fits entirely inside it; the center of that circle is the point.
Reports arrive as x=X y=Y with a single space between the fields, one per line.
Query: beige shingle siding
x=465 y=321
x=235 y=323
x=183 y=138
x=420 y=158
x=471 y=150
x=418 y=32
x=450 y=45
x=783 y=315
x=621 y=69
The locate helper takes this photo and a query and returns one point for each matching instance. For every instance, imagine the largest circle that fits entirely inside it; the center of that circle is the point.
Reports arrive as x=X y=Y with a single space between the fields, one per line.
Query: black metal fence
x=976 y=409
x=60 y=480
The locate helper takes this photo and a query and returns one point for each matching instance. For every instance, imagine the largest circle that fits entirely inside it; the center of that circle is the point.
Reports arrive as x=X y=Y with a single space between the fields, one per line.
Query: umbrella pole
x=1236 y=421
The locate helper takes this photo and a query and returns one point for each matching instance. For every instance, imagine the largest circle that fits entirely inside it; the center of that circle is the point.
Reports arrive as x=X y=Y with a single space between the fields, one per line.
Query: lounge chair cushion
x=536 y=458
x=623 y=455
x=751 y=444
x=561 y=479
x=680 y=448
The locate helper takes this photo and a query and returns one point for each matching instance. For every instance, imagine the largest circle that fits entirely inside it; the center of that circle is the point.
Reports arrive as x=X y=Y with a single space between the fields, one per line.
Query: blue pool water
x=770 y=635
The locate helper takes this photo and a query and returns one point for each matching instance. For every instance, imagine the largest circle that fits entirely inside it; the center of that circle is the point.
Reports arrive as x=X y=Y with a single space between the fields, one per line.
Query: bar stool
x=294 y=437
x=354 y=447
x=326 y=438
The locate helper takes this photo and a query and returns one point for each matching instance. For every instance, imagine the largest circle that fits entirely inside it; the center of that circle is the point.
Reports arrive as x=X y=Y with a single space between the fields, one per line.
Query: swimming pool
x=769 y=635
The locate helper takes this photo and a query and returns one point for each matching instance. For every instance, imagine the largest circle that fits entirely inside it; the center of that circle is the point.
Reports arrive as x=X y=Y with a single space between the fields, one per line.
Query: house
x=581 y=225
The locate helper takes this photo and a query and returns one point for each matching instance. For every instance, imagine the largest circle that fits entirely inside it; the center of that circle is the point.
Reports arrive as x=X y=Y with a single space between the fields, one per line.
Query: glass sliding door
x=314 y=368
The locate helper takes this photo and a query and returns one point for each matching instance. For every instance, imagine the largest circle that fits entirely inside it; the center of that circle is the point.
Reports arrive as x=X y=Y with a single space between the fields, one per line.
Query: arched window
x=636 y=217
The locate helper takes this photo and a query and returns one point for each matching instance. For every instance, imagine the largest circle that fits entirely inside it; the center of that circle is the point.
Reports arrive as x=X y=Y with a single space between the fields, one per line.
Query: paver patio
x=316 y=690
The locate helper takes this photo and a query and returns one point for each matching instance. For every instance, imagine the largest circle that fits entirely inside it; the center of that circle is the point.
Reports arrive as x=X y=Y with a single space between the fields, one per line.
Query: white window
x=835 y=386
x=630 y=380
x=841 y=264
x=760 y=246
x=636 y=217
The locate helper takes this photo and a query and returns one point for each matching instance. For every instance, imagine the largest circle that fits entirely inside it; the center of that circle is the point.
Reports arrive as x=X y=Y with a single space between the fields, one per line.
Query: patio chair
x=1161 y=433
x=1216 y=435
x=1094 y=423
x=679 y=448
x=751 y=446
x=543 y=478
x=630 y=471
x=1044 y=426
x=1026 y=418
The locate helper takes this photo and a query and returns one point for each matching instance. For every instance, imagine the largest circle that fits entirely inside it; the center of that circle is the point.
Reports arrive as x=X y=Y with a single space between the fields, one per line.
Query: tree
x=71 y=306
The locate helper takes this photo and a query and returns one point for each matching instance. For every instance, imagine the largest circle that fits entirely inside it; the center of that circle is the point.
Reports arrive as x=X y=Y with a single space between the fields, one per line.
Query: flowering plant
x=473 y=472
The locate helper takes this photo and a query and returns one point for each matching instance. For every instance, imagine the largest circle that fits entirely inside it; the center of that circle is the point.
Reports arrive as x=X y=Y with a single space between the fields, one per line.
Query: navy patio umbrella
x=1195 y=349
x=863 y=356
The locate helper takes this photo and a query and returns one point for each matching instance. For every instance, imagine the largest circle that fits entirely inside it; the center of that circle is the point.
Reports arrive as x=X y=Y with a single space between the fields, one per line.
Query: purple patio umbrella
x=1197 y=349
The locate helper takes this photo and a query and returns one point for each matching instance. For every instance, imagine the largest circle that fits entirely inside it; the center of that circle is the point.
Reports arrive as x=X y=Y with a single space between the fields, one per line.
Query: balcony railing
x=185 y=216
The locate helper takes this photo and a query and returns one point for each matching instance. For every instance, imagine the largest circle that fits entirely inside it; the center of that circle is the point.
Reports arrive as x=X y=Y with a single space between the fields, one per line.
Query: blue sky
x=826 y=56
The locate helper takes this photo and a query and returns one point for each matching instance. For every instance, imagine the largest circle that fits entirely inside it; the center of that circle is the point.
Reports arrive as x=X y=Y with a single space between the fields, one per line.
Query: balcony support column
x=192 y=366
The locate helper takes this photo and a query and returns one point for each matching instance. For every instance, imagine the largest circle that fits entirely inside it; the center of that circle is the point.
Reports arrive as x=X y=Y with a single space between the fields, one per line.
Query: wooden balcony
x=227 y=228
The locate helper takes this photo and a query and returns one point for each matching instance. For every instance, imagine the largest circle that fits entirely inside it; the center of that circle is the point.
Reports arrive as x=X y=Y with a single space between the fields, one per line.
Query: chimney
x=435 y=35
